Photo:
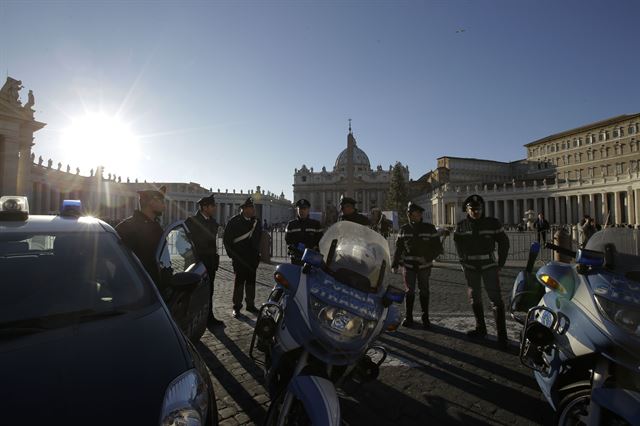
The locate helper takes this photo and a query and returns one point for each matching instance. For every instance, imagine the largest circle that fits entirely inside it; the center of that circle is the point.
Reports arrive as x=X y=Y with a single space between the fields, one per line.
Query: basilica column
x=556 y=210
x=592 y=206
x=618 y=207
x=546 y=208
x=631 y=219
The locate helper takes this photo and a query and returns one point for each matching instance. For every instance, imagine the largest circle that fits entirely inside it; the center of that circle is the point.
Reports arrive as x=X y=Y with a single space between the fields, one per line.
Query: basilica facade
x=351 y=176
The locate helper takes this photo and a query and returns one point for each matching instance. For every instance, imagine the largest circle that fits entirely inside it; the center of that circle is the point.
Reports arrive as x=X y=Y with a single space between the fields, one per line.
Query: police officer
x=475 y=238
x=242 y=242
x=204 y=230
x=349 y=212
x=303 y=230
x=142 y=231
x=418 y=244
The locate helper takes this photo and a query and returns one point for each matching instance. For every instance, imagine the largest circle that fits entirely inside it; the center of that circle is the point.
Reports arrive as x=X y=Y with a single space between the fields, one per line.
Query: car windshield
x=359 y=255
x=47 y=275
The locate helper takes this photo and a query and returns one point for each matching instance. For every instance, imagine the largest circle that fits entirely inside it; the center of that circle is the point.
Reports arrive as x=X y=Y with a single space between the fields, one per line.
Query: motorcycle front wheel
x=573 y=409
x=297 y=415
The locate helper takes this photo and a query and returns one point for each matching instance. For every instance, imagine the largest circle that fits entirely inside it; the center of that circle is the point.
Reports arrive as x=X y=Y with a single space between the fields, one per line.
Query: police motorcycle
x=581 y=333
x=318 y=326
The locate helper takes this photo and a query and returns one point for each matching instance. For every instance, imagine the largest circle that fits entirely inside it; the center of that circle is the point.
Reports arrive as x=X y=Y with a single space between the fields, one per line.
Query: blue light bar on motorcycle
x=590 y=257
x=535 y=247
x=394 y=296
x=71 y=208
x=312 y=257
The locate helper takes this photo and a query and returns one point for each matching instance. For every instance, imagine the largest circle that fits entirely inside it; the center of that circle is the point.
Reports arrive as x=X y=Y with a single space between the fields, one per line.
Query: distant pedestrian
x=587 y=228
x=475 y=238
x=418 y=244
x=349 y=212
x=142 y=232
x=379 y=222
x=541 y=225
x=303 y=230
x=265 y=226
x=204 y=233
x=242 y=242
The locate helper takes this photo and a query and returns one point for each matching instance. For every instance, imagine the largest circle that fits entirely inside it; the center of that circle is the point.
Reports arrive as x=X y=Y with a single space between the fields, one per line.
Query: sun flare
x=99 y=139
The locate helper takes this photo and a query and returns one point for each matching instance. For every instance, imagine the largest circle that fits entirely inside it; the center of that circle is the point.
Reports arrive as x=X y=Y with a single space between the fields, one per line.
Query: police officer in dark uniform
x=303 y=230
x=142 y=231
x=418 y=244
x=242 y=242
x=204 y=231
x=475 y=238
x=349 y=212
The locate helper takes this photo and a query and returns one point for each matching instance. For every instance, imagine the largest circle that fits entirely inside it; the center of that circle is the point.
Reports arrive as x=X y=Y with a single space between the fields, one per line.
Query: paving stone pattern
x=435 y=376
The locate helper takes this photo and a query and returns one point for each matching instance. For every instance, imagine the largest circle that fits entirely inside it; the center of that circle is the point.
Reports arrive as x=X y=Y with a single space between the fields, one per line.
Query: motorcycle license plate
x=340 y=322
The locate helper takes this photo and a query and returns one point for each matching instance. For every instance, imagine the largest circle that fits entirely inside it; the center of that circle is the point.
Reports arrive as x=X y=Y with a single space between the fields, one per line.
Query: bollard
x=562 y=238
x=265 y=247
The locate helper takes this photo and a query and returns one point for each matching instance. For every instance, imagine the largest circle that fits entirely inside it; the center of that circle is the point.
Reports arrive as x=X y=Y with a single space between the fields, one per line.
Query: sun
x=97 y=139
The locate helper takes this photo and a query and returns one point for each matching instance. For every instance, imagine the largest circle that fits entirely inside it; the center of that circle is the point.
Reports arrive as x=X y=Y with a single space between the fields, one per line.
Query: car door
x=188 y=306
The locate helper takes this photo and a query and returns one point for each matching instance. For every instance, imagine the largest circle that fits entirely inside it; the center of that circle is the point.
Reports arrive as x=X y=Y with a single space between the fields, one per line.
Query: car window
x=178 y=253
x=50 y=274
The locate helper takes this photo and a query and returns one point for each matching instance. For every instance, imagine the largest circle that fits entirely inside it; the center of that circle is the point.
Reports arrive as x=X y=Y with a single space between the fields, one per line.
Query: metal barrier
x=520 y=241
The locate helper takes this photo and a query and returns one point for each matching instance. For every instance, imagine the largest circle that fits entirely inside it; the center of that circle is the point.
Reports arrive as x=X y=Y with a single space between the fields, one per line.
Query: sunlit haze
x=234 y=94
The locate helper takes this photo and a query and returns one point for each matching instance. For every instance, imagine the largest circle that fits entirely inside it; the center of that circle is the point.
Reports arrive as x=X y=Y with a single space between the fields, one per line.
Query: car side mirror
x=185 y=280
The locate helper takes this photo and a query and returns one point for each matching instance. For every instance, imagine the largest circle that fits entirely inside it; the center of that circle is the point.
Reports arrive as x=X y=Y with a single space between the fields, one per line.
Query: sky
x=234 y=94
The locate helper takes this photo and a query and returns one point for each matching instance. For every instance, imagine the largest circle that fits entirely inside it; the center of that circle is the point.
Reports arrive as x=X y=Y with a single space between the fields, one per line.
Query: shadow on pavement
x=239 y=394
x=242 y=356
x=490 y=366
x=470 y=382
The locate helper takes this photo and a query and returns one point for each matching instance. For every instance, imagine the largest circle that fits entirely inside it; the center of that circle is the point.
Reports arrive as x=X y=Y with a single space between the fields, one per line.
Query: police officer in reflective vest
x=349 y=212
x=418 y=244
x=475 y=238
x=303 y=230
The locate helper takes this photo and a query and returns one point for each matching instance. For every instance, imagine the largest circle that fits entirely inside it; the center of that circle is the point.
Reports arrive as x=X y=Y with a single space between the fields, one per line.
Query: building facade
x=352 y=176
x=592 y=169
x=110 y=198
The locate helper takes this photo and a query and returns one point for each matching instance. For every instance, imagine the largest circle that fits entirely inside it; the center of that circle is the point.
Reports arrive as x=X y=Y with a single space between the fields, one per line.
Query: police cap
x=303 y=204
x=247 y=203
x=148 y=194
x=207 y=201
x=347 y=200
x=474 y=201
x=413 y=207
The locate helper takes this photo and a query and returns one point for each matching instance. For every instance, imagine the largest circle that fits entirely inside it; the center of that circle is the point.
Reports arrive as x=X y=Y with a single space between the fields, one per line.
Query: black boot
x=424 y=304
x=408 y=320
x=501 y=326
x=481 y=328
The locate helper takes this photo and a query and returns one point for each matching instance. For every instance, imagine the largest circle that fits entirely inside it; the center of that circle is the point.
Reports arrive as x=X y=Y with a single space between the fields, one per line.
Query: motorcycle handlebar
x=560 y=250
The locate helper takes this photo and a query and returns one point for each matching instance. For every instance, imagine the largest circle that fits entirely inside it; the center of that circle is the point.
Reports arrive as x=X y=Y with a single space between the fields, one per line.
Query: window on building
x=304 y=178
x=590 y=172
x=616 y=148
x=607 y=152
x=603 y=171
x=633 y=165
x=589 y=155
x=619 y=168
x=633 y=129
x=579 y=141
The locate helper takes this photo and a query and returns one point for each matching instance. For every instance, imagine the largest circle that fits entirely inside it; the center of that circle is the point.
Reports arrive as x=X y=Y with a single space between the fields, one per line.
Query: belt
x=479 y=257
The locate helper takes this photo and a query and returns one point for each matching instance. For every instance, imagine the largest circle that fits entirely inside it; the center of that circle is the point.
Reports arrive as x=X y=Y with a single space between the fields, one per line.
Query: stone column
x=636 y=202
x=592 y=206
x=546 y=208
x=556 y=210
x=604 y=207
x=516 y=212
x=630 y=206
x=569 y=209
x=580 y=207
x=618 y=207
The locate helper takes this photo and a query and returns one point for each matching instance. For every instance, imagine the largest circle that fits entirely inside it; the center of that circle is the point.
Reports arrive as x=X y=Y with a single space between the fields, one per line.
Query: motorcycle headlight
x=186 y=401
x=341 y=323
x=626 y=316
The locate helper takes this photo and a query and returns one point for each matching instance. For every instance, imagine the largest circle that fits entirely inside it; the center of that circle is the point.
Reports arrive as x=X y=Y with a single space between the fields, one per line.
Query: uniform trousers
x=491 y=285
x=410 y=277
x=245 y=279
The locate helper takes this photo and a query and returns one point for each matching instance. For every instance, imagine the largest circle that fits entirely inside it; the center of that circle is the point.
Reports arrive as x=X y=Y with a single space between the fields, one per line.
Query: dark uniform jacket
x=476 y=241
x=417 y=245
x=306 y=231
x=142 y=235
x=355 y=217
x=204 y=234
x=242 y=241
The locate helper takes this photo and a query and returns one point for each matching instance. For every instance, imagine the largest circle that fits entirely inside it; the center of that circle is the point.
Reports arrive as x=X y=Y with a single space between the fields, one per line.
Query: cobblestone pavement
x=434 y=376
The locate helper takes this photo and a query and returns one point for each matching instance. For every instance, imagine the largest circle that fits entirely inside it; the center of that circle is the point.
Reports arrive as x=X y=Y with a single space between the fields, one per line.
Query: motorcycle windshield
x=359 y=255
x=625 y=262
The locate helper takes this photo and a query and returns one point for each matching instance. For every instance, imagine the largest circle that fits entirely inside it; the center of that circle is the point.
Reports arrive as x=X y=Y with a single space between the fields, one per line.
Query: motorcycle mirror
x=312 y=257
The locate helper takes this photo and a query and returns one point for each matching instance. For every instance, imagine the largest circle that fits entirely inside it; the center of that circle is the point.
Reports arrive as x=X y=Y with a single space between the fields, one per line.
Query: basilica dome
x=360 y=160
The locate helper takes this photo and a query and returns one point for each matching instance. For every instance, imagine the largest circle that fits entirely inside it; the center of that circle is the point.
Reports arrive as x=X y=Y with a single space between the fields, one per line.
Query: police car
x=85 y=337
